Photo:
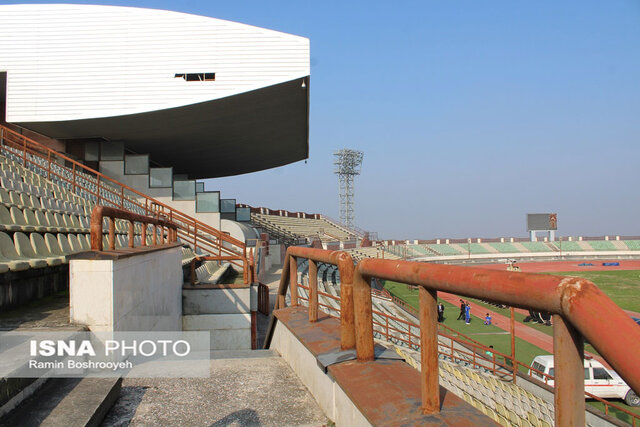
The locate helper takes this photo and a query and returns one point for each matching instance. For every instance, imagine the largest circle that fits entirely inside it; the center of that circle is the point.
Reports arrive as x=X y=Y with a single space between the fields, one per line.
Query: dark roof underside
x=252 y=131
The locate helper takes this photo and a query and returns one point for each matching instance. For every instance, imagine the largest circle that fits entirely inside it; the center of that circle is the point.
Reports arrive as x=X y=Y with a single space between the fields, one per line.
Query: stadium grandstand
x=106 y=227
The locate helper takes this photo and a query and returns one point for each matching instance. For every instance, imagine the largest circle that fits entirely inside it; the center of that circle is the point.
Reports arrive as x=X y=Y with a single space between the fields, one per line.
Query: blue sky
x=470 y=113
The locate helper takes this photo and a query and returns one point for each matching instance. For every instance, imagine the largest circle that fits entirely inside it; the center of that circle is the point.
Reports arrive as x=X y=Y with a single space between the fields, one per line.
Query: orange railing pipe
x=101 y=212
x=579 y=308
x=344 y=262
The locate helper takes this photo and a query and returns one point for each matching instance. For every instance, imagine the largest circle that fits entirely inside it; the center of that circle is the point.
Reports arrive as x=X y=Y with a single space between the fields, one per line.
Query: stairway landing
x=246 y=388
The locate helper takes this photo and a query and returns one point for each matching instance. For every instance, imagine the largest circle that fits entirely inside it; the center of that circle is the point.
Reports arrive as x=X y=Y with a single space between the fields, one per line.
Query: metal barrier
x=263 y=299
x=108 y=191
x=579 y=308
x=159 y=224
x=593 y=314
x=500 y=364
x=289 y=277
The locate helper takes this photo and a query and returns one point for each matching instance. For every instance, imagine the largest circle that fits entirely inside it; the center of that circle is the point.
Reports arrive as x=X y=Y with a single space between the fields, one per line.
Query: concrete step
x=66 y=402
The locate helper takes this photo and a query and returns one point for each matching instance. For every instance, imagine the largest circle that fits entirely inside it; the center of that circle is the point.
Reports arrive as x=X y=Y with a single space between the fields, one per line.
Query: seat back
x=4 y=196
x=23 y=245
x=85 y=242
x=59 y=220
x=14 y=197
x=5 y=217
x=35 y=202
x=52 y=244
x=7 y=247
x=17 y=216
x=39 y=245
x=64 y=244
x=74 y=244
x=30 y=217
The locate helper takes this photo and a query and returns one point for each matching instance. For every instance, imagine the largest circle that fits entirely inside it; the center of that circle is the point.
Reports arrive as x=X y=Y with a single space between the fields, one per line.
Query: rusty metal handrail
x=289 y=277
x=101 y=212
x=476 y=350
x=578 y=306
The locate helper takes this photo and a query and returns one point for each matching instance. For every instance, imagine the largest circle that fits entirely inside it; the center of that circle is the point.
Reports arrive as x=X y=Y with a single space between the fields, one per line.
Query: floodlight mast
x=347 y=165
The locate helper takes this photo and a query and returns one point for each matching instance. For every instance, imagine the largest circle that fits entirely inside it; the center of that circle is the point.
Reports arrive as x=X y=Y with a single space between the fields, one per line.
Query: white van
x=598 y=380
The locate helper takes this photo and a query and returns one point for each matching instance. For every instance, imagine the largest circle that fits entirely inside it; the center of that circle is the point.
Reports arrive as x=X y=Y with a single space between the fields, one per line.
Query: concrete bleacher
x=307 y=228
x=444 y=249
x=505 y=248
x=371 y=252
x=633 y=245
x=536 y=246
x=601 y=245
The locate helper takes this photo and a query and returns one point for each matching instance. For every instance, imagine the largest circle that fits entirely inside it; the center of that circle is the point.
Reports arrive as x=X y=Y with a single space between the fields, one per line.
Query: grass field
x=487 y=335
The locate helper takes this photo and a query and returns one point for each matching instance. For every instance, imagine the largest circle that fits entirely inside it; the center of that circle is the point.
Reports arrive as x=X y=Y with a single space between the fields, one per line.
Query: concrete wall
x=224 y=312
x=333 y=401
x=141 y=292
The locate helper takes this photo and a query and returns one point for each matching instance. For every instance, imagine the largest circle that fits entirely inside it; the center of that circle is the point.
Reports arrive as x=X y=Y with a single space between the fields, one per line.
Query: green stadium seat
x=9 y=251
x=25 y=249
x=6 y=222
x=17 y=216
x=41 y=249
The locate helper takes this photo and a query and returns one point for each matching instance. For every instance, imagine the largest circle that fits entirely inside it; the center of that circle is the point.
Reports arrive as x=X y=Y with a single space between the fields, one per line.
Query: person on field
x=467 y=313
x=440 y=312
x=487 y=319
x=462 y=308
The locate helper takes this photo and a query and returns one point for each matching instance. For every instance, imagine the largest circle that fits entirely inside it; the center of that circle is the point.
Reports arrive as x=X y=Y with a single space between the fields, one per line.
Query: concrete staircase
x=66 y=401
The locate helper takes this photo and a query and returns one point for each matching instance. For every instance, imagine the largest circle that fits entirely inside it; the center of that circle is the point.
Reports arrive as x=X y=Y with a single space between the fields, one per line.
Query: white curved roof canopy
x=76 y=72
x=70 y=62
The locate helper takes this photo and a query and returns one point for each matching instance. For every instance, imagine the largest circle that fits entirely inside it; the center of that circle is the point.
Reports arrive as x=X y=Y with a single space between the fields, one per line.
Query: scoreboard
x=542 y=221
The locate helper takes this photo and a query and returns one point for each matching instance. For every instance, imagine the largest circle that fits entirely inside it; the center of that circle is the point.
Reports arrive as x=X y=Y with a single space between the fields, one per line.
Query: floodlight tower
x=347 y=165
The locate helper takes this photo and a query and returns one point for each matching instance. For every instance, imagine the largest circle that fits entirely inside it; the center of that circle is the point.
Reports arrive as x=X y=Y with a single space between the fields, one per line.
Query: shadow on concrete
x=48 y=312
x=123 y=411
x=35 y=409
x=243 y=417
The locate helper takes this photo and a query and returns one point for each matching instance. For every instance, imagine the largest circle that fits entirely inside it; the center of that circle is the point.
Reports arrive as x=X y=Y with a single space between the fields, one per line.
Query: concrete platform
x=48 y=312
x=246 y=388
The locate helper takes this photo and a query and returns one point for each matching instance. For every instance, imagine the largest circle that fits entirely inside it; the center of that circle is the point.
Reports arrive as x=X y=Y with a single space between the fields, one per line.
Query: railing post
x=131 y=233
x=429 y=351
x=293 y=280
x=494 y=363
x=386 y=328
x=568 y=358
x=347 y=326
x=74 y=177
x=313 y=291
x=112 y=233
x=144 y=234
x=155 y=235
x=49 y=165
x=363 y=317
x=24 y=152
x=97 y=185
x=121 y=197
x=195 y=237
x=96 y=229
